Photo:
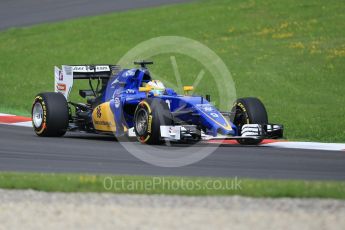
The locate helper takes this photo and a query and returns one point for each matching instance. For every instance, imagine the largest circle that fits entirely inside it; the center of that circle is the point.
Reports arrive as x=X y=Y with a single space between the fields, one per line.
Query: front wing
x=249 y=131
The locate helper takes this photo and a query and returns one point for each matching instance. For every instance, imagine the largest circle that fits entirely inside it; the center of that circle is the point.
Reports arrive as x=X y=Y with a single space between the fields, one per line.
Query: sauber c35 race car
x=128 y=102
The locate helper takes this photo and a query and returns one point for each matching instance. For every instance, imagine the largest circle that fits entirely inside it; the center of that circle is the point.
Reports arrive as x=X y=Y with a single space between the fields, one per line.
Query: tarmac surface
x=18 y=13
x=22 y=150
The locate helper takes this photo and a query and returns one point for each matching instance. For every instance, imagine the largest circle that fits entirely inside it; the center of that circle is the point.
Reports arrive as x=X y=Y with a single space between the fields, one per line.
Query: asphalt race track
x=22 y=150
x=14 y=13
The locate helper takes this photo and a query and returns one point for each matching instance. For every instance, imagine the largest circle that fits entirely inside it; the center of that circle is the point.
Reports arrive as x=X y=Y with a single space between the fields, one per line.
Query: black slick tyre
x=249 y=110
x=50 y=114
x=149 y=115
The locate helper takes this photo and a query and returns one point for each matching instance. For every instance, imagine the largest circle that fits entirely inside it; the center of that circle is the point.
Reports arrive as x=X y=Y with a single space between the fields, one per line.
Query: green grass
x=290 y=54
x=172 y=185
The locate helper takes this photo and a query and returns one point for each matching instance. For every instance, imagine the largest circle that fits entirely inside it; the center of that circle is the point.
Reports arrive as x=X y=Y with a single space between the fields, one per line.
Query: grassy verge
x=290 y=54
x=15 y=111
x=172 y=185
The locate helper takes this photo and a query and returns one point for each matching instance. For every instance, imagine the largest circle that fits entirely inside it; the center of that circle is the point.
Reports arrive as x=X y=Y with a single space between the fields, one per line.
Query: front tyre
x=149 y=115
x=249 y=110
x=50 y=115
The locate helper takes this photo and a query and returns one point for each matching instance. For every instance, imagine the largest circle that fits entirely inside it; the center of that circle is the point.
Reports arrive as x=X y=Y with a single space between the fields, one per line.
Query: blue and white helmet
x=157 y=86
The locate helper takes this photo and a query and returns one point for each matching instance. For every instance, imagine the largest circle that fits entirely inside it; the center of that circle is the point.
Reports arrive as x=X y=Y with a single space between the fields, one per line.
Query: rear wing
x=93 y=71
x=64 y=77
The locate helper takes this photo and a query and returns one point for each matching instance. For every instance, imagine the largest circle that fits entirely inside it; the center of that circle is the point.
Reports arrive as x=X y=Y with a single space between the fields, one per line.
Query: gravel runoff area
x=27 y=209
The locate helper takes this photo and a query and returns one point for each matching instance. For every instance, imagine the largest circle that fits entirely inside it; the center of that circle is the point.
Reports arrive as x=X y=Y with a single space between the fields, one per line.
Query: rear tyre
x=50 y=115
x=149 y=115
x=249 y=110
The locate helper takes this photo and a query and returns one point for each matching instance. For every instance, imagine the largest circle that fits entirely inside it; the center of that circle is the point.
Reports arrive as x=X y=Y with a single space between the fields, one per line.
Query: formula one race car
x=129 y=102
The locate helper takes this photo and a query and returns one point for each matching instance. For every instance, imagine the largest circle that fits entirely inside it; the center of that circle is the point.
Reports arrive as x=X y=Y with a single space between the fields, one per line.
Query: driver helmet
x=157 y=86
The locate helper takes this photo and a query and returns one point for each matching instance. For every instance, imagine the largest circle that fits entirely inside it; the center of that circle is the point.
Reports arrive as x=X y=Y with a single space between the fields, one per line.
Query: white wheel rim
x=37 y=114
x=141 y=122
